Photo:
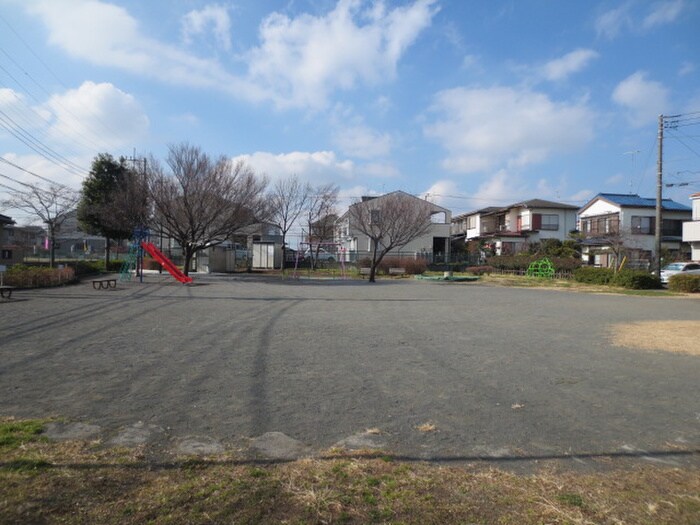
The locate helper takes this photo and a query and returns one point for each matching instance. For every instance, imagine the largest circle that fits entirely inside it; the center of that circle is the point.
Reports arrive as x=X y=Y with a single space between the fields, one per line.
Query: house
x=511 y=229
x=8 y=250
x=614 y=226
x=434 y=245
x=691 y=229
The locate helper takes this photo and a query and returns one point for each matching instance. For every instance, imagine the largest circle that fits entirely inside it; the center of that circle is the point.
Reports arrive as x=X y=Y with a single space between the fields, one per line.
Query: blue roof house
x=616 y=226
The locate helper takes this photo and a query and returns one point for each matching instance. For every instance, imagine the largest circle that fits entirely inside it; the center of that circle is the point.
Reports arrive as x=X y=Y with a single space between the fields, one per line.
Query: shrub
x=636 y=280
x=522 y=262
x=23 y=276
x=593 y=275
x=411 y=265
x=632 y=279
x=684 y=283
x=150 y=264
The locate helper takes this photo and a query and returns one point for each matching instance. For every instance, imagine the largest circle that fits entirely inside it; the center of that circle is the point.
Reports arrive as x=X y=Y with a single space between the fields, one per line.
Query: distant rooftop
x=635 y=201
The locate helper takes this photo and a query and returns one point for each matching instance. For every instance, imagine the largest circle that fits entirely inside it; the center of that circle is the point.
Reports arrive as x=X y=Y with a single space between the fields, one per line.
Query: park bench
x=6 y=291
x=103 y=284
x=364 y=272
x=397 y=271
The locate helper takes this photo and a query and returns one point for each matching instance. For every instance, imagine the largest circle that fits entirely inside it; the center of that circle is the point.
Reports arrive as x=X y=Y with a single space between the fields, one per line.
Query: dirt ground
x=436 y=371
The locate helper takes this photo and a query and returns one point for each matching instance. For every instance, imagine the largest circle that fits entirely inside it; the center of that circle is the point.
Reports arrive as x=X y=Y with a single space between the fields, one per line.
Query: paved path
x=493 y=372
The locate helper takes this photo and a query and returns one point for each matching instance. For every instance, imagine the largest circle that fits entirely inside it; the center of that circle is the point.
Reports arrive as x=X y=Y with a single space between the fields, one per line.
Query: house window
x=524 y=221
x=550 y=222
x=6 y=254
x=471 y=222
x=375 y=216
x=642 y=225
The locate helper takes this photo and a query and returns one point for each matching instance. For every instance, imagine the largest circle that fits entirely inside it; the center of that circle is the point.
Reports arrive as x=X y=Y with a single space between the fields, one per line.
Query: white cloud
x=663 y=13
x=581 y=196
x=502 y=126
x=107 y=35
x=441 y=192
x=40 y=165
x=377 y=169
x=362 y=142
x=317 y=167
x=301 y=60
x=615 y=179
x=197 y=23
x=97 y=110
x=573 y=62
x=611 y=23
x=643 y=99
x=501 y=189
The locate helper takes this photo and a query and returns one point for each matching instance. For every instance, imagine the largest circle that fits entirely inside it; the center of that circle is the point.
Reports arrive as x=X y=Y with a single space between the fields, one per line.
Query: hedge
x=684 y=283
x=23 y=276
x=522 y=262
x=632 y=279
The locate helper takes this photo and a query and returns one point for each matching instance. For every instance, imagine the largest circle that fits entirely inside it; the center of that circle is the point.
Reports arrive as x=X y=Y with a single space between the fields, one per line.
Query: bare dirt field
x=435 y=371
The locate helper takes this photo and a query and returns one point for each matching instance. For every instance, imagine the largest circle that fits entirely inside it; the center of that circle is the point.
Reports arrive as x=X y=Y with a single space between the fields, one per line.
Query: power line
x=2 y=159
x=36 y=145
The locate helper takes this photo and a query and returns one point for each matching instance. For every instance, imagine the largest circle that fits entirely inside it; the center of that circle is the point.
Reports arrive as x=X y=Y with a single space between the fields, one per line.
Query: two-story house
x=616 y=226
x=7 y=244
x=691 y=229
x=511 y=229
x=434 y=245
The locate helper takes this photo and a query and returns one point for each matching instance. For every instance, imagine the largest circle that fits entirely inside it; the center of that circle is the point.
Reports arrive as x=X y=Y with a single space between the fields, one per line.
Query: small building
x=691 y=229
x=623 y=226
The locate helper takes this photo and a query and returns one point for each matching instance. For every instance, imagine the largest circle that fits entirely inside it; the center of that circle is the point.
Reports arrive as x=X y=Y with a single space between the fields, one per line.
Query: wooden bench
x=364 y=272
x=397 y=271
x=6 y=291
x=103 y=284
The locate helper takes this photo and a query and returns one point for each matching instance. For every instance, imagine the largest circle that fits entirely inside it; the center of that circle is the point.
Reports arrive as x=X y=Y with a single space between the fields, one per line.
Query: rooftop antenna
x=634 y=164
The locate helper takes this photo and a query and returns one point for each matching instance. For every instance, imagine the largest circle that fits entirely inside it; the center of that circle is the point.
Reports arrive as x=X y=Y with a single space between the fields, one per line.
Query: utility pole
x=659 y=199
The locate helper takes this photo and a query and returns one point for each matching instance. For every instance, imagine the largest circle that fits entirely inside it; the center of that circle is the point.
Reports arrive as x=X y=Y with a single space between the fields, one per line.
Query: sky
x=465 y=102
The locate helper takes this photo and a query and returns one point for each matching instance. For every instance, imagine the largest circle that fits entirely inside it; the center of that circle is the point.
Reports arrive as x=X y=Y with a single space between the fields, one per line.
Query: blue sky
x=474 y=103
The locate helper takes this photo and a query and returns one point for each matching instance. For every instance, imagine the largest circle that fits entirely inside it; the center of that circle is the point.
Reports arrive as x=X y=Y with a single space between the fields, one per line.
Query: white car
x=667 y=271
x=322 y=255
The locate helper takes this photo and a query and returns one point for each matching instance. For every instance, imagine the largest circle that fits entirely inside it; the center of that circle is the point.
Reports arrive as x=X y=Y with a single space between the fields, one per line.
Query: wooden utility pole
x=659 y=199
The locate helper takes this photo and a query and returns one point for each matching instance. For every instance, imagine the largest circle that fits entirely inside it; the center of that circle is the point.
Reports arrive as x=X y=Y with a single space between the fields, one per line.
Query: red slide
x=165 y=262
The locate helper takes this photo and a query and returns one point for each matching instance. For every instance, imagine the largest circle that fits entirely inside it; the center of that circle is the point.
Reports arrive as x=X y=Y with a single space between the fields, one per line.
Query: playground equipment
x=134 y=259
x=336 y=249
x=165 y=262
x=541 y=268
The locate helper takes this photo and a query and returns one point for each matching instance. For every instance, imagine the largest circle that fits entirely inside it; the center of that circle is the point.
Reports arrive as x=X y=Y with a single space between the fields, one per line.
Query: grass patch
x=13 y=434
x=90 y=484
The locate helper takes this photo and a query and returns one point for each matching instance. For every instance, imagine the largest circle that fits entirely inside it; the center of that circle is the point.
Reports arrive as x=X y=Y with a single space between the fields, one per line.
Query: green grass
x=13 y=434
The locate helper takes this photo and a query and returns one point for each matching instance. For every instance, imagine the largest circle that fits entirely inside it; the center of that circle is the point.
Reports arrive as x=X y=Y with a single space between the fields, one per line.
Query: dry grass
x=427 y=427
x=82 y=482
x=667 y=336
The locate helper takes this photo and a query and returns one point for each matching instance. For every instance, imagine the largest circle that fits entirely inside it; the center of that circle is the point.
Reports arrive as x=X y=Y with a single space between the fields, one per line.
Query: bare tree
x=288 y=200
x=390 y=222
x=51 y=203
x=200 y=202
x=321 y=215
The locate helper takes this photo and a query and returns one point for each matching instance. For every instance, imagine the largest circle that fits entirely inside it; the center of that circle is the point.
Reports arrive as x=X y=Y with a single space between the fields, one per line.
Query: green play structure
x=541 y=268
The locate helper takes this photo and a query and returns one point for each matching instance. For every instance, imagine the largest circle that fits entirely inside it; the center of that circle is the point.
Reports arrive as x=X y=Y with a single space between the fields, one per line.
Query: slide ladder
x=165 y=262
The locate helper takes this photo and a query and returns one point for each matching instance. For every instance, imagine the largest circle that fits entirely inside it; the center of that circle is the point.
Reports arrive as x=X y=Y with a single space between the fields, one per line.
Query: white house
x=691 y=229
x=433 y=245
x=615 y=225
x=510 y=229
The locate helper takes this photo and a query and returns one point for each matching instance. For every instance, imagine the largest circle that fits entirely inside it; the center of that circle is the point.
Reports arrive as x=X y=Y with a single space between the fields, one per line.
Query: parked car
x=322 y=255
x=667 y=271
